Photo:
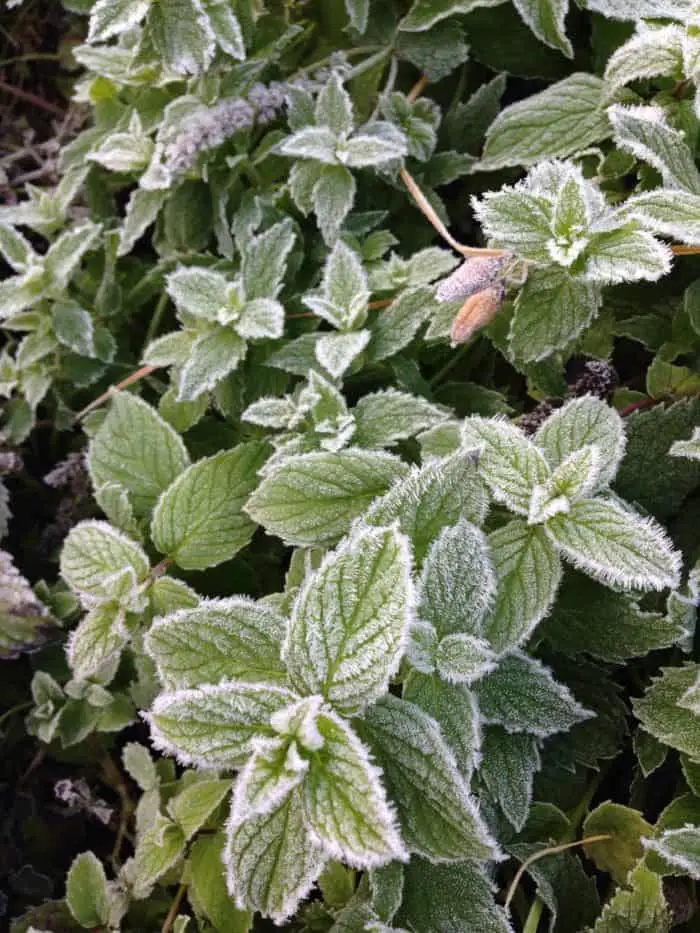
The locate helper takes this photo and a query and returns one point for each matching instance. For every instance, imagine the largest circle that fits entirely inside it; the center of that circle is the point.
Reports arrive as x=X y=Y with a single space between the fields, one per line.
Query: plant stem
x=154 y=323
x=534 y=916
x=30 y=98
x=14 y=709
x=101 y=399
x=174 y=907
x=418 y=88
x=448 y=367
x=685 y=250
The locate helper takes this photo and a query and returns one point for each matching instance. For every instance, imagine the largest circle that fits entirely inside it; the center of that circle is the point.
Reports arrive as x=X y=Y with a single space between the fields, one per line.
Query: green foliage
x=401 y=611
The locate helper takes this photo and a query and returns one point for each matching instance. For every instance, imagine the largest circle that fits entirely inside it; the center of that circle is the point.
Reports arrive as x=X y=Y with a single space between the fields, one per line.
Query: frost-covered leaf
x=689 y=448
x=680 y=847
x=87 y=895
x=226 y=28
x=430 y=498
x=334 y=106
x=345 y=282
x=112 y=17
x=574 y=478
x=336 y=352
x=615 y=546
x=508 y=766
x=73 y=327
x=439 y=818
x=333 y=196
x=312 y=499
x=528 y=571
x=582 y=421
x=271 y=860
x=512 y=219
x=212 y=357
x=644 y=132
x=207 y=886
x=182 y=35
x=138 y=450
x=522 y=696
x=622 y=851
x=396 y=326
x=552 y=309
x=198 y=291
x=193 y=805
x=95 y=645
x=425 y=13
x=463 y=658
x=358 y=12
x=373 y=144
x=142 y=209
x=509 y=463
x=157 y=851
x=138 y=762
x=25 y=622
x=220 y=639
x=15 y=249
x=457 y=584
x=450 y=897
x=381 y=418
x=199 y=520
x=667 y=211
x=638 y=907
x=436 y=52
x=626 y=255
x=96 y=558
x=646 y=54
x=560 y=121
x=350 y=620
x=265 y=261
x=662 y=715
x=345 y=803
x=546 y=19
x=312 y=142
x=128 y=151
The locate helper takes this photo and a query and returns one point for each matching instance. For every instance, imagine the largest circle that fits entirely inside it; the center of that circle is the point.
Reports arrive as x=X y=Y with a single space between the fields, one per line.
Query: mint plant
x=349 y=480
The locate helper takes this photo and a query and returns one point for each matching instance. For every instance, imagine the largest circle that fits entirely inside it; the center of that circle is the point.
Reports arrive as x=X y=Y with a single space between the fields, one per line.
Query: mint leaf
x=439 y=818
x=382 y=418
x=220 y=639
x=462 y=659
x=86 y=891
x=199 y=521
x=334 y=107
x=508 y=766
x=638 y=907
x=109 y=18
x=96 y=560
x=626 y=255
x=667 y=211
x=138 y=450
x=265 y=261
x=680 y=847
x=661 y=713
x=333 y=196
x=212 y=357
x=182 y=35
x=349 y=623
x=193 y=805
x=312 y=499
x=96 y=644
x=546 y=19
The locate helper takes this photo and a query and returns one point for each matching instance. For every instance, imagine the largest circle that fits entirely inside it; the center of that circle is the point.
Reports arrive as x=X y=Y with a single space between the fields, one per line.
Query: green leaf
x=212 y=357
x=265 y=261
x=463 y=658
x=439 y=818
x=646 y=54
x=437 y=51
x=272 y=860
x=198 y=291
x=429 y=499
x=349 y=622
x=457 y=585
x=168 y=595
x=508 y=767
x=626 y=255
x=661 y=714
x=138 y=762
x=334 y=107
x=358 y=12
x=345 y=803
x=688 y=448
x=382 y=418
x=583 y=421
x=651 y=753
x=644 y=132
x=312 y=499
x=157 y=851
x=345 y=282
x=312 y=142
x=522 y=696
x=509 y=463
x=207 y=886
x=668 y=212
x=558 y=122
x=182 y=35
x=96 y=644
x=591 y=619
x=450 y=897
x=194 y=804
x=109 y=18
x=138 y=450
x=680 y=847
x=639 y=907
x=374 y=144
x=528 y=571
x=627 y=828
x=614 y=545
x=512 y=219
x=425 y=13
x=15 y=249
x=96 y=560
x=396 y=326
x=66 y=253
x=86 y=891
x=333 y=196
x=25 y=622
x=551 y=310
x=220 y=639
x=212 y=725
x=546 y=19
x=142 y=209
x=336 y=352
x=226 y=27
x=199 y=521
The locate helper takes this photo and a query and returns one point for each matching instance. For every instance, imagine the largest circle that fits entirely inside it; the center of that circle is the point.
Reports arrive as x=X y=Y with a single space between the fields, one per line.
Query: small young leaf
x=463 y=658
x=439 y=819
x=138 y=450
x=640 y=909
x=615 y=546
x=140 y=765
x=349 y=622
x=336 y=352
x=312 y=142
x=212 y=725
x=627 y=828
x=194 y=804
x=271 y=860
x=312 y=499
x=220 y=639
x=157 y=851
x=96 y=644
x=522 y=696
x=199 y=521
x=212 y=357
x=86 y=891
x=95 y=556
x=182 y=35
x=528 y=571
x=457 y=585
x=334 y=107
x=345 y=803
